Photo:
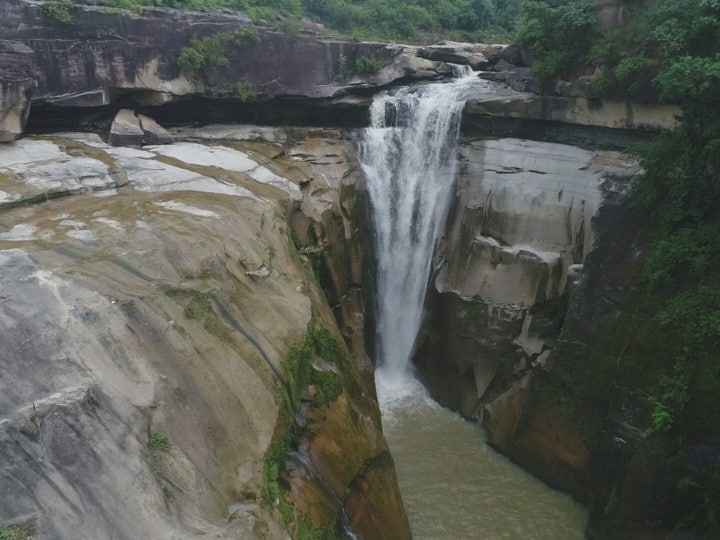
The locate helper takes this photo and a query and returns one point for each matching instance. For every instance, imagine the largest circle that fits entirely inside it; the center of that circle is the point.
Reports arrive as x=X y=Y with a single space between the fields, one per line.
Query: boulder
x=516 y=55
x=311 y=27
x=444 y=54
x=126 y=129
x=478 y=62
x=17 y=84
x=153 y=133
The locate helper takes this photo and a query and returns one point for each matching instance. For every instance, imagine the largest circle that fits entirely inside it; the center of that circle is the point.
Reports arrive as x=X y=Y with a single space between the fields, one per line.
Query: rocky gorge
x=188 y=328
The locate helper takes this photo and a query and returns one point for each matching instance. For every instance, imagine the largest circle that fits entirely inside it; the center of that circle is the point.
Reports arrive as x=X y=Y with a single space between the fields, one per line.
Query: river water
x=455 y=487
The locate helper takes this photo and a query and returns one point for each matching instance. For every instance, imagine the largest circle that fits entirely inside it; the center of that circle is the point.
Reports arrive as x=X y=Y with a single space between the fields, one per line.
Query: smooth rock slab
x=126 y=129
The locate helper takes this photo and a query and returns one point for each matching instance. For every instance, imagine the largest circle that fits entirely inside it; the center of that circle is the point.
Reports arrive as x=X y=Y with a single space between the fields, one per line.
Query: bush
x=560 y=37
x=14 y=532
x=209 y=51
x=158 y=442
x=367 y=65
x=59 y=10
x=246 y=35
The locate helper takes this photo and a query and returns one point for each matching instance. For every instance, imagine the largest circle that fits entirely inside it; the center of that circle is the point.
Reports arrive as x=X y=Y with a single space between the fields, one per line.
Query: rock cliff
x=517 y=236
x=151 y=303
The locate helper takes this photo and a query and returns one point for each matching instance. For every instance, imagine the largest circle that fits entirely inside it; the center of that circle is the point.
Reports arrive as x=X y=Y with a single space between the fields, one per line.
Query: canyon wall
x=153 y=306
x=156 y=302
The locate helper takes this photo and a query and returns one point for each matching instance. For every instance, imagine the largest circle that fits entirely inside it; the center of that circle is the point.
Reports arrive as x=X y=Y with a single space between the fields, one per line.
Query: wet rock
x=126 y=129
x=139 y=310
x=17 y=84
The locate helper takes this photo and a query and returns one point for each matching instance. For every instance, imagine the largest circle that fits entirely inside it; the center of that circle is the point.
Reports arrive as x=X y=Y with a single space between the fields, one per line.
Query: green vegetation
x=663 y=348
x=214 y=50
x=365 y=65
x=158 y=442
x=246 y=91
x=318 y=347
x=199 y=306
x=407 y=20
x=14 y=532
x=59 y=10
x=211 y=50
x=559 y=35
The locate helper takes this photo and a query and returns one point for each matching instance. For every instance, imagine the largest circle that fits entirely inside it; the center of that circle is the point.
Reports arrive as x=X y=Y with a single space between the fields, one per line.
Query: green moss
x=14 y=532
x=199 y=306
x=318 y=345
x=158 y=442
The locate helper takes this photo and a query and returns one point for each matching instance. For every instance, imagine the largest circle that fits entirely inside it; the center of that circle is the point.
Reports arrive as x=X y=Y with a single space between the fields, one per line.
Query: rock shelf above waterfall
x=522 y=217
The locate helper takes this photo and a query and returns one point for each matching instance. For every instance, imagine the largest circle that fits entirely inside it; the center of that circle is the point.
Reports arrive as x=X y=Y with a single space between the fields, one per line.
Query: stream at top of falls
x=454 y=486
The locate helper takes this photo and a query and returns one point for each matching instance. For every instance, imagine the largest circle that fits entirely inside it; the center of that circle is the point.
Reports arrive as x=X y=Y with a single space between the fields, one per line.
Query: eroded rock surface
x=17 y=84
x=148 y=296
x=517 y=236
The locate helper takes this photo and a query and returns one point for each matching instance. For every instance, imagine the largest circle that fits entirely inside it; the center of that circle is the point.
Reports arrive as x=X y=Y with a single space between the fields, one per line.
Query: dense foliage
x=667 y=348
x=559 y=34
x=409 y=20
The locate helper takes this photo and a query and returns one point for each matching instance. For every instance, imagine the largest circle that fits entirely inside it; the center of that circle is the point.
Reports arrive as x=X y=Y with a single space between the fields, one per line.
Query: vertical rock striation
x=516 y=238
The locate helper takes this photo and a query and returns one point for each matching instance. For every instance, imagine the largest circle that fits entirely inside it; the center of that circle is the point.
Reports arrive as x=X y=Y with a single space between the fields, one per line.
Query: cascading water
x=409 y=157
x=454 y=486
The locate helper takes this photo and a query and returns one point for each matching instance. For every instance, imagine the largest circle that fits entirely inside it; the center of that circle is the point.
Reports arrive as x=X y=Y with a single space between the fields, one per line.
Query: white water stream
x=454 y=486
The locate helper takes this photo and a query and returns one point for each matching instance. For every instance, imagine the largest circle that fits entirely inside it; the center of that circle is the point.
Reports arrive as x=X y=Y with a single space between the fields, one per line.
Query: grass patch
x=366 y=66
x=199 y=306
x=158 y=442
x=14 y=532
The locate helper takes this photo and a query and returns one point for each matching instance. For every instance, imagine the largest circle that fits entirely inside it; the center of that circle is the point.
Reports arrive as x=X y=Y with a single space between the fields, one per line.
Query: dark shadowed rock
x=443 y=54
x=516 y=55
x=17 y=83
x=126 y=129
x=120 y=58
x=154 y=133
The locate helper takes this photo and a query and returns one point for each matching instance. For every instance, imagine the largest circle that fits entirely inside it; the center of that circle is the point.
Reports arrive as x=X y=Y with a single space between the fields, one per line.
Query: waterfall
x=409 y=157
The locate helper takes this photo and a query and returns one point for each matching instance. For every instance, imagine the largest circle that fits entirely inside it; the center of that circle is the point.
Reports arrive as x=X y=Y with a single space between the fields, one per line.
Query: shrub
x=246 y=91
x=158 y=442
x=246 y=35
x=58 y=10
x=367 y=65
x=14 y=532
x=559 y=37
x=211 y=50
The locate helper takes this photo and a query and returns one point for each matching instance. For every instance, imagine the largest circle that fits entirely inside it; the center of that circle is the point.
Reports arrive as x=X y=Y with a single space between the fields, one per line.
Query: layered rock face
x=106 y=59
x=516 y=239
x=149 y=300
x=17 y=83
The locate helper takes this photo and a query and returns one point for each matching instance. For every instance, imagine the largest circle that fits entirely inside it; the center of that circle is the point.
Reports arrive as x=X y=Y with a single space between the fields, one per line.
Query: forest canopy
x=407 y=20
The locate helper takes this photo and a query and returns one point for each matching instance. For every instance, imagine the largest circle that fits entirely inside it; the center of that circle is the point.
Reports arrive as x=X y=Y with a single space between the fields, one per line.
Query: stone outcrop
x=577 y=110
x=126 y=129
x=477 y=56
x=132 y=129
x=517 y=237
x=145 y=350
x=114 y=58
x=154 y=133
x=17 y=84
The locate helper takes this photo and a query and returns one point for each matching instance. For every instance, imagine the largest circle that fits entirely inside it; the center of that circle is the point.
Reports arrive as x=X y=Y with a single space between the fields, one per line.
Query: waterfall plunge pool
x=455 y=486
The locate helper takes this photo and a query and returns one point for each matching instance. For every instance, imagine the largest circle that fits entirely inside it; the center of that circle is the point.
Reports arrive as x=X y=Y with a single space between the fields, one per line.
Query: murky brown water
x=455 y=487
